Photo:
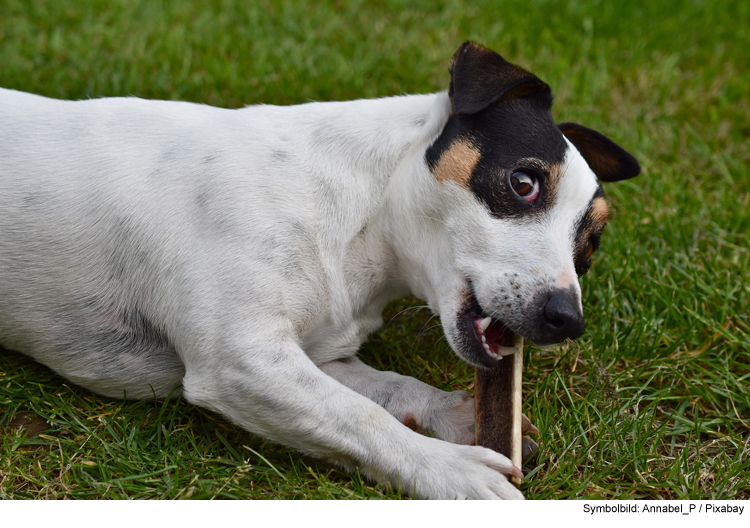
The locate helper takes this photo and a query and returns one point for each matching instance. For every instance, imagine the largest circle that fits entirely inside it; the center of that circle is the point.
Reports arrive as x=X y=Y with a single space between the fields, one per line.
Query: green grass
x=653 y=402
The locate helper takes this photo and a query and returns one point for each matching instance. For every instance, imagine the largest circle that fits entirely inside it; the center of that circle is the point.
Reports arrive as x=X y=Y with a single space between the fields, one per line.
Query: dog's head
x=523 y=206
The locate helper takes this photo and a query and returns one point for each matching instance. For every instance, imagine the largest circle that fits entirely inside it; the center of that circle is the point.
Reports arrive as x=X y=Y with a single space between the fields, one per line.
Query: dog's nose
x=561 y=317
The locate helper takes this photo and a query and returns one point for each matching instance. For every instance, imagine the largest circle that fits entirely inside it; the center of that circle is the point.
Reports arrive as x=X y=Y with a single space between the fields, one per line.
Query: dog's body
x=244 y=255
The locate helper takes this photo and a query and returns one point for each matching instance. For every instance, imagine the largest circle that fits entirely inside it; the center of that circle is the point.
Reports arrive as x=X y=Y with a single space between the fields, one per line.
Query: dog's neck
x=384 y=143
x=368 y=139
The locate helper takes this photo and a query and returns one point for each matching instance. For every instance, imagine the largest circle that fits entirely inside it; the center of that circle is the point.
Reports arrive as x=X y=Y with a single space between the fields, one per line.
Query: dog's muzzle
x=551 y=317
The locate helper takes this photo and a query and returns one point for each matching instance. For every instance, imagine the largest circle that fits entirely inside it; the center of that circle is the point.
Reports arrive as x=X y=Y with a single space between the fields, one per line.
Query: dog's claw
x=527 y=427
x=529 y=447
x=529 y=450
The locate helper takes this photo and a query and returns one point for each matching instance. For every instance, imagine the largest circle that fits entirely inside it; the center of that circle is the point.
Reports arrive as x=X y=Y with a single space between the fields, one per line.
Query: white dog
x=244 y=255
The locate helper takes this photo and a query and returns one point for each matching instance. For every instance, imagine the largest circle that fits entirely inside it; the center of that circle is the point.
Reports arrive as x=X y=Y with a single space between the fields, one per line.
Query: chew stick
x=497 y=396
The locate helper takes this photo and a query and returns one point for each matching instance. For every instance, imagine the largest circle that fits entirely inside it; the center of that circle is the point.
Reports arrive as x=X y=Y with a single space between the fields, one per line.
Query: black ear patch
x=480 y=77
x=609 y=161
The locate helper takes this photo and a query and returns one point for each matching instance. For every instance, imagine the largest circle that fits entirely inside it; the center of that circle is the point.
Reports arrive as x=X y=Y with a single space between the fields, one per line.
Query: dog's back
x=125 y=221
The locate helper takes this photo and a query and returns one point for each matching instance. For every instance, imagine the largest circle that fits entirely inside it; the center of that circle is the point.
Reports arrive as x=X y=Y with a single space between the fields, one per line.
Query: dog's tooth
x=491 y=353
x=484 y=323
x=484 y=340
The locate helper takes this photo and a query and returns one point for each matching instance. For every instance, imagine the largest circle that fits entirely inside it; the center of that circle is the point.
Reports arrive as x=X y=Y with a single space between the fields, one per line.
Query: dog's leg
x=425 y=409
x=445 y=415
x=274 y=390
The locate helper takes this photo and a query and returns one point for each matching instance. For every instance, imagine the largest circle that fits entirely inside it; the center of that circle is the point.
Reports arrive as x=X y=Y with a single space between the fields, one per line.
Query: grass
x=653 y=402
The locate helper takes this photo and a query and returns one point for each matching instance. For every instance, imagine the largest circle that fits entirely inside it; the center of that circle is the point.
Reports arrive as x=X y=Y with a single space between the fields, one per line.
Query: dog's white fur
x=257 y=248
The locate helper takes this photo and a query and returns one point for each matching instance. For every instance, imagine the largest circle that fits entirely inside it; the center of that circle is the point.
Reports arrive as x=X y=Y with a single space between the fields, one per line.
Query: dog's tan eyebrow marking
x=554 y=175
x=589 y=231
x=599 y=211
x=556 y=171
x=457 y=163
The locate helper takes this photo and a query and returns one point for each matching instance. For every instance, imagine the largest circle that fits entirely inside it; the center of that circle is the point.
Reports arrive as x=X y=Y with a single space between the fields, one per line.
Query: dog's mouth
x=487 y=339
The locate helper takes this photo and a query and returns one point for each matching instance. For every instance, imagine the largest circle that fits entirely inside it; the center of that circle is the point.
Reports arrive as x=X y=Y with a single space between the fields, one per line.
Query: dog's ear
x=609 y=161
x=480 y=77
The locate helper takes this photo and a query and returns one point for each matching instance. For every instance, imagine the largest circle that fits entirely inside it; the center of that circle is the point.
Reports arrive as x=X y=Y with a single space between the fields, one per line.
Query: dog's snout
x=560 y=318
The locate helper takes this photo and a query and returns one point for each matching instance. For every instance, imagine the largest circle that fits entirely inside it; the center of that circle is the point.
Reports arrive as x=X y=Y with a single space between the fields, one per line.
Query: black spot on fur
x=165 y=164
x=37 y=199
x=124 y=257
x=213 y=213
x=280 y=156
x=140 y=333
x=129 y=333
x=210 y=159
x=383 y=393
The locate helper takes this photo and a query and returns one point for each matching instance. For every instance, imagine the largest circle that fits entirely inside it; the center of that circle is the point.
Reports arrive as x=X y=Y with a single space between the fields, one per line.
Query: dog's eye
x=525 y=186
x=583 y=262
x=589 y=250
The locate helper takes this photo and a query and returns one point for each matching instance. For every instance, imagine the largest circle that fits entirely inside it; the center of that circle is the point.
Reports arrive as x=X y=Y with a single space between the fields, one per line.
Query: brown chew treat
x=497 y=396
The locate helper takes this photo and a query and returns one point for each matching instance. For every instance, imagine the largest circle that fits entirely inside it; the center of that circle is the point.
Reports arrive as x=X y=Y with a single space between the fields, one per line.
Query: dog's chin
x=481 y=340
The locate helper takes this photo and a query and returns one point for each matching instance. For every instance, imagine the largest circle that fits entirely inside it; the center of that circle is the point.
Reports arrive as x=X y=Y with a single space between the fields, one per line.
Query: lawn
x=653 y=401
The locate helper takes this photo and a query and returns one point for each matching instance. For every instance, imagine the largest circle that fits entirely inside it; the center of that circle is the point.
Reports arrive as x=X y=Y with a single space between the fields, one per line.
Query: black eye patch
x=515 y=135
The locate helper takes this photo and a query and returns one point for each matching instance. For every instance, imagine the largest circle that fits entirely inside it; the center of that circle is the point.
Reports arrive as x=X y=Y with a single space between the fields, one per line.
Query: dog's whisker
x=425 y=327
x=420 y=307
x=432 y=328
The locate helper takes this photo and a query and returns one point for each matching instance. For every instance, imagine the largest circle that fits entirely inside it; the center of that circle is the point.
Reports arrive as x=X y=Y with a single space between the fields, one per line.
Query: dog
x=242 y=256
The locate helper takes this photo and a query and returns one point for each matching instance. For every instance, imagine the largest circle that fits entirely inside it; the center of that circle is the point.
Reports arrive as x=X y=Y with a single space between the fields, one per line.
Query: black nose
x=561 y=317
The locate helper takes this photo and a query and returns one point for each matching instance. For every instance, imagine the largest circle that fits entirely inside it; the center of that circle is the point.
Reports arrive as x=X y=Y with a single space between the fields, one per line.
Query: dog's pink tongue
x=497 y=333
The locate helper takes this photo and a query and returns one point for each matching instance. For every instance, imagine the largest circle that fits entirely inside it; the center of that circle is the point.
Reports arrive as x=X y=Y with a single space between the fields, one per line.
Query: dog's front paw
x=464 y=472
x=451 y=418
